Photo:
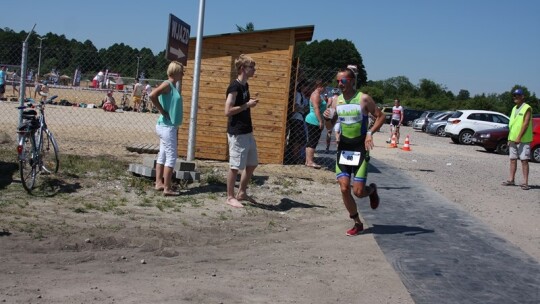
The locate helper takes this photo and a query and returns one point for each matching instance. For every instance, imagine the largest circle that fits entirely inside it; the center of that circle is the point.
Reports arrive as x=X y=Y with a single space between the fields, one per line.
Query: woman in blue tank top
x=167 y=99
x=315 y=123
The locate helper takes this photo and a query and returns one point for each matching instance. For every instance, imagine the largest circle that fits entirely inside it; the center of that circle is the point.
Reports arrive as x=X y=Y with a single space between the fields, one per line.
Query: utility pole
x=138 y=59
x=39 y=60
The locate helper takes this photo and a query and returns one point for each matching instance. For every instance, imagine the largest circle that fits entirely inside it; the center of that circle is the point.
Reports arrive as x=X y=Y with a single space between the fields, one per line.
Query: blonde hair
x=174 y=68
x=242 y=61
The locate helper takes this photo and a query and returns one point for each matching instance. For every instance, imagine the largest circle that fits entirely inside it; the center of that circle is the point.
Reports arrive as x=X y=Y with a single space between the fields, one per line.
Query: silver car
x=420 y=123
x=438 y=123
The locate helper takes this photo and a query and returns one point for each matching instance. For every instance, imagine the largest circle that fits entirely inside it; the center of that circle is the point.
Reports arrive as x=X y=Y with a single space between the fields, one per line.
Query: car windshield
x=456 y=114
x=439 y=116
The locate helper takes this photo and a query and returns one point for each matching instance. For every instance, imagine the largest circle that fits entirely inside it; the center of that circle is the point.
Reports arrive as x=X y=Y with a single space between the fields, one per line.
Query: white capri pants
x=168 y=142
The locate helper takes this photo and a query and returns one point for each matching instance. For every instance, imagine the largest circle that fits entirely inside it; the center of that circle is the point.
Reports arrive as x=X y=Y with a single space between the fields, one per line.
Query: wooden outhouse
x=272 y=51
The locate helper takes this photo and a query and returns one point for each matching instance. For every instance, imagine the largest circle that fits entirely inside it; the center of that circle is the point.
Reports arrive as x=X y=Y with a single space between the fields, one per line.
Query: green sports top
x=353 y=123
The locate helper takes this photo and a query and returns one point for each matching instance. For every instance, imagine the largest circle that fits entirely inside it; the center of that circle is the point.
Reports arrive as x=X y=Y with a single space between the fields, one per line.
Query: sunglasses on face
x=516 y=95
x=344 y=80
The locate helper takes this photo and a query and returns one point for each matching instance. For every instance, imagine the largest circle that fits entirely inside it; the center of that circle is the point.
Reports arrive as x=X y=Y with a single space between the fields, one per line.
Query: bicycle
x=37 y=149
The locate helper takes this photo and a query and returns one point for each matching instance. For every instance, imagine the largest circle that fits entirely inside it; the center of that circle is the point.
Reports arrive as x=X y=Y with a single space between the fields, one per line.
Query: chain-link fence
x=309 y=142
x=77 y=116
x=81 y=126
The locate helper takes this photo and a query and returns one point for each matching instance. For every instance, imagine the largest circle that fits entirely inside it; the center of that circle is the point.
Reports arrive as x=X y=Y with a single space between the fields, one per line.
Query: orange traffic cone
x=393 y=143
x=407 y=145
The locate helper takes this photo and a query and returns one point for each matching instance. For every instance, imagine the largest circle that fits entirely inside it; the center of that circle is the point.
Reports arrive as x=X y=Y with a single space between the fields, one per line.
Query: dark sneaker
x=357 y=229
x=374 y=197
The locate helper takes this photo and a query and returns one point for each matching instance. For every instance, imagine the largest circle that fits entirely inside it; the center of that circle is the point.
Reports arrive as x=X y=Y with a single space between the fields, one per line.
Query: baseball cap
x=517 y=92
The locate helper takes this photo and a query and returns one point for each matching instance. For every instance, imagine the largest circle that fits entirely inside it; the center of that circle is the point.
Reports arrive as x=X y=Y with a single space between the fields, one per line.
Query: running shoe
x=357 y=229
x=374 y=197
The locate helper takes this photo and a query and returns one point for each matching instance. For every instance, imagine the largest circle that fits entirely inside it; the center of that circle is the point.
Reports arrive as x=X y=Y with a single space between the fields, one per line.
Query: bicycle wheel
x=49 y=153
x=28 y=168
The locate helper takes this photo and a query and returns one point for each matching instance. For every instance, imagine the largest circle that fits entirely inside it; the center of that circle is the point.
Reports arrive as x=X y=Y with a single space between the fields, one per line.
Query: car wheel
x=440 y=131
x=455 y=140
x=502 y=147
x=465 y=137
x=535 y=154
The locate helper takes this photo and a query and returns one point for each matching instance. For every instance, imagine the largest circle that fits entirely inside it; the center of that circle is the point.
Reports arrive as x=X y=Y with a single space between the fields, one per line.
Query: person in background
x=44 y=90
x=168 y=100
x=109 y=103
x=396 y=120
x=355 y=142
x=37 y=87
x=137 y=95
x=297 y=124
x=15 y=83
x=315 y=123
x=147 y=87
x=330 y=121
x=519 y=139
x=242 y=145
x=2 y=81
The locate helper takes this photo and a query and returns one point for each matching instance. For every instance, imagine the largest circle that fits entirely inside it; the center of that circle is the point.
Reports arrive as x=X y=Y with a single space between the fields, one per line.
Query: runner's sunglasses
x=343 y=80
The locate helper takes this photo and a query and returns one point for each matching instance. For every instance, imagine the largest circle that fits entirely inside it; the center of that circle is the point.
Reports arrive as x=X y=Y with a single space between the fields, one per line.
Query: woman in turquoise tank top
x=167 y=99
x=315 y=123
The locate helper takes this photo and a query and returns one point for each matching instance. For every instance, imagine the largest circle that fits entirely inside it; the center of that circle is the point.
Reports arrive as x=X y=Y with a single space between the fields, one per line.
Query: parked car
x=493 y=140
x=535 y=144
x=496 y=140
x=418 y=124
x=410 y=115
x=462 y=125
x=438 y=123
x=387 y=111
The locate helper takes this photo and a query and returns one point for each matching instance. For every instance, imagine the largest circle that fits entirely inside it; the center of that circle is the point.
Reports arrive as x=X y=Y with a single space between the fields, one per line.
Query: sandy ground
x=288 y=248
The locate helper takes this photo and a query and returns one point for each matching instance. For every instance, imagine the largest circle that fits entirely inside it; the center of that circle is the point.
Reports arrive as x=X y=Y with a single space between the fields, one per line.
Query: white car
x=461 y=126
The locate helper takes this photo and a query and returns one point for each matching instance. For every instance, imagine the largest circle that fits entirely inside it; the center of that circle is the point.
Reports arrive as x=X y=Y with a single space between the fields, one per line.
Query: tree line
x=64 y=55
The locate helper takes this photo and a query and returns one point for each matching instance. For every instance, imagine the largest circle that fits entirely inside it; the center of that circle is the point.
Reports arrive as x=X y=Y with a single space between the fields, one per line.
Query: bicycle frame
x=32 y=153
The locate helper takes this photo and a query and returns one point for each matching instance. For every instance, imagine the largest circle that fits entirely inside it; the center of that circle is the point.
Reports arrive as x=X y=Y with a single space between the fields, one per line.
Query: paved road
x=443 y=254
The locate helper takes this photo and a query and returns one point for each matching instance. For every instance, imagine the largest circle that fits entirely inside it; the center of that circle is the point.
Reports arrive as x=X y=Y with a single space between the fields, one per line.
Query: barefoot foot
x=234 y=203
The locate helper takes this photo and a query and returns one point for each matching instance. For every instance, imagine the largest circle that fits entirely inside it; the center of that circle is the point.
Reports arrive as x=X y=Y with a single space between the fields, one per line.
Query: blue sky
x=484 y=46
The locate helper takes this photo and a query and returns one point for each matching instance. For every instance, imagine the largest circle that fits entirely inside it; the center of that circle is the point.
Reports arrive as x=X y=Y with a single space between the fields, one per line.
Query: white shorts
x=521 y=150
x=242 y=151
x=168 y=141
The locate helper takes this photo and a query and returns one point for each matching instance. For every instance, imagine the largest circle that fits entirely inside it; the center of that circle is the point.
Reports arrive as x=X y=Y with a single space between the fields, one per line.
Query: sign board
x=177 y=40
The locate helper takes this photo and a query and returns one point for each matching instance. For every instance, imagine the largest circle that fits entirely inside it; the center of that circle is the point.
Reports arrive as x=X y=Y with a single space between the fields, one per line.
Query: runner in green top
x=355 y=141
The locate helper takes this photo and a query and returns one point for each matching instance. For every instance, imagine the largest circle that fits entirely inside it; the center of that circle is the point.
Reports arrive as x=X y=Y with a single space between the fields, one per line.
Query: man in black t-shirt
x=242 y=146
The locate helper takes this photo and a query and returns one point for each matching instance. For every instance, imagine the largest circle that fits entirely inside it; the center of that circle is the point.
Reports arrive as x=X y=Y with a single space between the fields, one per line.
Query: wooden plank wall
x=272 y=52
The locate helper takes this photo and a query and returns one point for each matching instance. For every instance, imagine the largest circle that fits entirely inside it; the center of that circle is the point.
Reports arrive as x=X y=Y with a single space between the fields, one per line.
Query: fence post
x=24 y=59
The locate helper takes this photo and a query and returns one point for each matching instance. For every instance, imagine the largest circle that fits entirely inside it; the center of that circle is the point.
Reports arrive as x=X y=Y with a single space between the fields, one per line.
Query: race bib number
x=350 y=158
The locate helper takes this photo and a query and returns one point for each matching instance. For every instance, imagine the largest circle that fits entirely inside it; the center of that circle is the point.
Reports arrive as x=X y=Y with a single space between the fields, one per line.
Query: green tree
x=463 y=95
x=250 y=27
x=331 y=55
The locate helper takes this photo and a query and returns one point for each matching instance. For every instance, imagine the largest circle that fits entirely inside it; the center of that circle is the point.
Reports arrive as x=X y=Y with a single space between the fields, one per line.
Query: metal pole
x=39 y=60
x=137 y=74
x=22 y=89
x=195 y=91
